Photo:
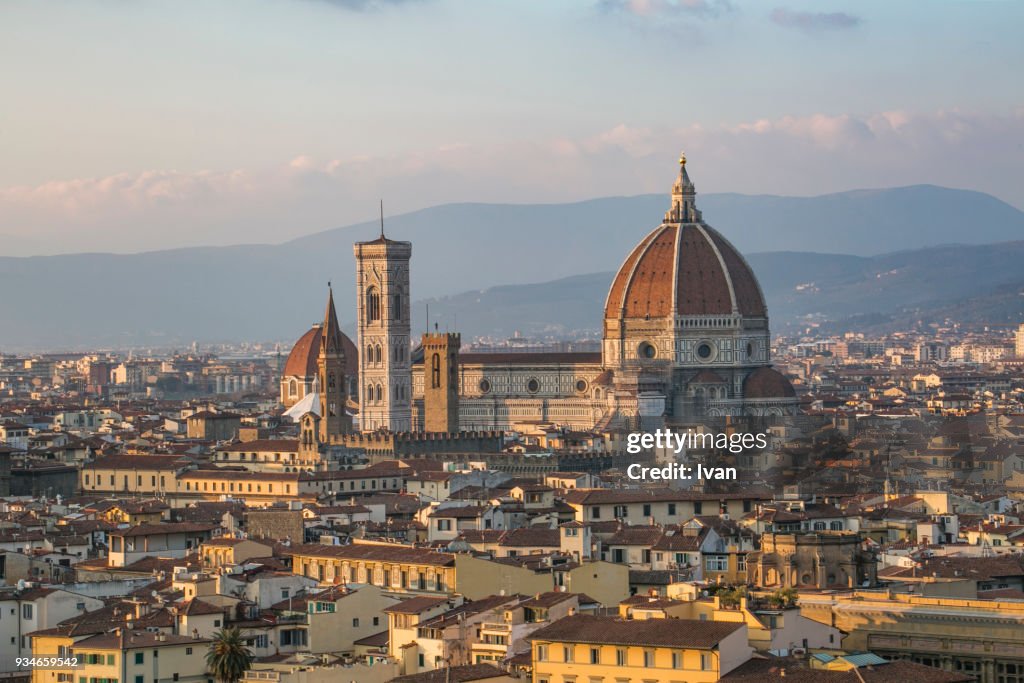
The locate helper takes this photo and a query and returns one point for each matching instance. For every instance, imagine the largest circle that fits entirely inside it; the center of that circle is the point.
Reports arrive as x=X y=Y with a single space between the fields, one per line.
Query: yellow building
x=226 y=550
x=253 y=486
x=124 y=656
x=590 y=648
x=768 y=628
x=983 y=638
x=663 y=506
x=137 y=512
x=479 y=577
x=134 y=474
x=387 y=565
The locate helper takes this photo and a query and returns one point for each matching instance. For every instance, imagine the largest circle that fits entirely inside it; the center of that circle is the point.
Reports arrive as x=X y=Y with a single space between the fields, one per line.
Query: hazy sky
x=129 y=125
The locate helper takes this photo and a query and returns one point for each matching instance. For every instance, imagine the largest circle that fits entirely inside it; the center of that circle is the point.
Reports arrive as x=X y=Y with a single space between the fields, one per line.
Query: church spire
x=331 y=375
x=684 y=198
x=330 y=341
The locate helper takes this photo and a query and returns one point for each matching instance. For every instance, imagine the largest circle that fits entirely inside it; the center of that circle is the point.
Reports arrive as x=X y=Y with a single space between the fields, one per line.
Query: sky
x=129 y=125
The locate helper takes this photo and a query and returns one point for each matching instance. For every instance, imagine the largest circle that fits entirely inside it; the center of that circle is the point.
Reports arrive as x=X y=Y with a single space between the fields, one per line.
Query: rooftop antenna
x=382 y=219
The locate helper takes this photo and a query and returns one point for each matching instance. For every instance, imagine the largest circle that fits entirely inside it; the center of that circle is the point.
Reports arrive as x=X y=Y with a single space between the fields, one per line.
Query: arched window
x=369 y=353
x=380 y=393
x=372 y=304
x=369 y=393
x=378 y=354
x=396 y=306
x=435 y=370
x=293 y=388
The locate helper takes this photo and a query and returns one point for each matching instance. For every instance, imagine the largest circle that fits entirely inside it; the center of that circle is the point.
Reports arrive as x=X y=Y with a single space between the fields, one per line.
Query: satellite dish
x=21 y=584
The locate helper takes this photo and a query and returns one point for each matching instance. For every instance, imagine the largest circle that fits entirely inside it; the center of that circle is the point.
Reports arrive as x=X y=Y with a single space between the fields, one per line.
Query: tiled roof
x=164 y=528
x=788 y=670
x=584 y=628
x=455 y=674
x=415 y=605
x=369 y=551
x=261 y=446
x=526 y=537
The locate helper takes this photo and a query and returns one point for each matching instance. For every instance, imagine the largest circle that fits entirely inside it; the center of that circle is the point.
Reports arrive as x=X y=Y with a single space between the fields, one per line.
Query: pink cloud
x=809 y=154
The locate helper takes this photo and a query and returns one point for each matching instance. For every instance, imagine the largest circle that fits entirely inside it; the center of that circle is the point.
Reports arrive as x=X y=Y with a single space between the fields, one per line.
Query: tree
x=783 y=597
x=731 y=598
x=228 y=658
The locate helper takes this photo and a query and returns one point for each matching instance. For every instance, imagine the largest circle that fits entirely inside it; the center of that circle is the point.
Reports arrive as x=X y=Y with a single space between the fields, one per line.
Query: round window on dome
x=581 y=385
x=533 y=386
x=485 y=386
x=704 y=350
x=647 y=350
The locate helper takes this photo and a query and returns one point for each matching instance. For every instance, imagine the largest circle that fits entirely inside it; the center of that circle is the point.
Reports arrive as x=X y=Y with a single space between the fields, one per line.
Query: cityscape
x=661 y=341
x=417 y=508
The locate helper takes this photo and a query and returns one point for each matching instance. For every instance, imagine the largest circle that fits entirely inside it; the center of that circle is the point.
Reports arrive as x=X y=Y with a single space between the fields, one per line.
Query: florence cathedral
x=685 y=339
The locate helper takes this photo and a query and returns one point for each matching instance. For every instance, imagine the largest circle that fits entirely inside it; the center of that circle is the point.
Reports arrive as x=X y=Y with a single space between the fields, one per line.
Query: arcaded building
x=685 y=338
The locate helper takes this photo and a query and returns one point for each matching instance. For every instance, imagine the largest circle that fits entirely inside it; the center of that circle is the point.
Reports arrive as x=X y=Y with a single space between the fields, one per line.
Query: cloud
x=790 y=155
x=663 y=8
x=366 y=5
x=814 y=21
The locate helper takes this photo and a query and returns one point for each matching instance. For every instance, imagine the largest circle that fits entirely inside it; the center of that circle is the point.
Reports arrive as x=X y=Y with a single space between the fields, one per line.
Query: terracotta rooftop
x=584 y=628
x=684 y=269
x=370 y=551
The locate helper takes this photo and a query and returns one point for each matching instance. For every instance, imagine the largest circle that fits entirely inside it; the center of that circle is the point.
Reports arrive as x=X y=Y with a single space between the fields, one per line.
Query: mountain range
x=495 y=268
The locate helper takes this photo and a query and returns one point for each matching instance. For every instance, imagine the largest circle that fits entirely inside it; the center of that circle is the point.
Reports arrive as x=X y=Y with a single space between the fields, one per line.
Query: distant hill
x=892 y=291
x=275 y=291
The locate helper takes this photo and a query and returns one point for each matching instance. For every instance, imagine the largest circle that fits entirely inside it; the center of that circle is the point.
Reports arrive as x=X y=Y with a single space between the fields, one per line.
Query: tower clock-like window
x=372 y=304
x=435 y=370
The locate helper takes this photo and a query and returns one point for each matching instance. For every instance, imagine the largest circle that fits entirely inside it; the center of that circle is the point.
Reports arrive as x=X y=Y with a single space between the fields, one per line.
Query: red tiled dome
x=686 y=269
x=302 y=361
x=767 y=383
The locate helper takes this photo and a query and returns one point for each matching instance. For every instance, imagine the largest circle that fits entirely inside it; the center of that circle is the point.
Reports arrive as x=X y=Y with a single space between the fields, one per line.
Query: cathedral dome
x=302 y=361
x=767 y=382
x=684 y=267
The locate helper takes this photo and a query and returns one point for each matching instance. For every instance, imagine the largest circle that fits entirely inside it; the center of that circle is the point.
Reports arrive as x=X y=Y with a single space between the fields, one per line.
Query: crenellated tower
x=441 y=382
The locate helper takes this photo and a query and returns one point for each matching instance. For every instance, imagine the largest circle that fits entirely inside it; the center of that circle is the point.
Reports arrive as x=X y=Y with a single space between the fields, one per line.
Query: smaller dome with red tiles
x=767 y=382
x=302 y=361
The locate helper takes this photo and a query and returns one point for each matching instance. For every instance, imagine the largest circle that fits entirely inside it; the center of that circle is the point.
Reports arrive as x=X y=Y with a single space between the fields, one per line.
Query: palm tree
x=228 y=657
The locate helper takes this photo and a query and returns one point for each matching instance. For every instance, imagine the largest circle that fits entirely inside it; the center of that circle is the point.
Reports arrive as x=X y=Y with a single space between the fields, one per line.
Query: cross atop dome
x=684 y=198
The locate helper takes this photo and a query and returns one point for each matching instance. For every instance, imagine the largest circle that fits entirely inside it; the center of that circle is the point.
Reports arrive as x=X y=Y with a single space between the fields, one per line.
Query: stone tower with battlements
x=441 y=382
x=385 y=367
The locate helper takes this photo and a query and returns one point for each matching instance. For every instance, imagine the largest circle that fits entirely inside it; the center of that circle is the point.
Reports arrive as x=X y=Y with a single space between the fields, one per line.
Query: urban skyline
x=576 y=406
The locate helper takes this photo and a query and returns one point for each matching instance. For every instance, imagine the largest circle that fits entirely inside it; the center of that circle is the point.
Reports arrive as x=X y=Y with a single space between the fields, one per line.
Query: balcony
x=496 y=627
